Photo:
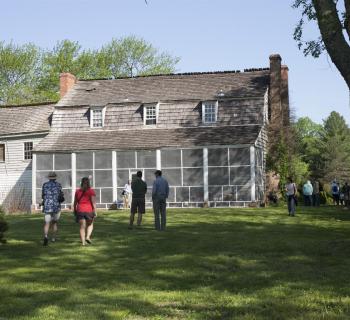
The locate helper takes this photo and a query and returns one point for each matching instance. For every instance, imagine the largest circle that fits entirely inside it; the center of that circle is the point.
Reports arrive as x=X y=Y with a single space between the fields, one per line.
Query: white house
x=21 y=129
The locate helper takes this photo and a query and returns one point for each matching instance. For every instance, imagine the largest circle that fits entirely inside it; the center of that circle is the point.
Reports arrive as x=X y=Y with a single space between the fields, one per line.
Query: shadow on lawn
x=267 y=264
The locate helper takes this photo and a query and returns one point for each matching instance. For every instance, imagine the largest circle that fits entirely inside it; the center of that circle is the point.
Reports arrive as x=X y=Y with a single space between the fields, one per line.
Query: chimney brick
x=285 y=95
x=275 y=105
x=67 y=81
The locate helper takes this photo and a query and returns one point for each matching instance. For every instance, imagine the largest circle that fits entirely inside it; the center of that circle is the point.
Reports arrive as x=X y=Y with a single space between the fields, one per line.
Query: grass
x=209 y=264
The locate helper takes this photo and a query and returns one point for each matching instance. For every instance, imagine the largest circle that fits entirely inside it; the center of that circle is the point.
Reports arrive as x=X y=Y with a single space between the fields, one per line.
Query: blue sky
x=207 y=35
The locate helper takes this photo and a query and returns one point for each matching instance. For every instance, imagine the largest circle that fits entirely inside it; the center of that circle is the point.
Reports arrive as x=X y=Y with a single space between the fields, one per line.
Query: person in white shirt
x=127 y=195
x=291 y=191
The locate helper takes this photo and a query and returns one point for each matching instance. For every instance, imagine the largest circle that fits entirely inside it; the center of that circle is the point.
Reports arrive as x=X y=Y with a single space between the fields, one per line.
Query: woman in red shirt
x=85 y=210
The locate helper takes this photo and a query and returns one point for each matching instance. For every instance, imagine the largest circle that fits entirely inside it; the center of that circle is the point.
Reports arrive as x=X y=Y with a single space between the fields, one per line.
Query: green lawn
x=209 y=264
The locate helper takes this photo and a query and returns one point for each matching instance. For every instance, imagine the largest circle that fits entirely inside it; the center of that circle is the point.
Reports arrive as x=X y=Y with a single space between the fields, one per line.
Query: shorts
x=52 y=217
x=88 y=216
x=138 y=205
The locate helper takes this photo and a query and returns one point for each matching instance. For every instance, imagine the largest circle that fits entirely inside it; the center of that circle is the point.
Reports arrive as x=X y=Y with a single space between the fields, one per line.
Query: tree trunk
x=332 y=35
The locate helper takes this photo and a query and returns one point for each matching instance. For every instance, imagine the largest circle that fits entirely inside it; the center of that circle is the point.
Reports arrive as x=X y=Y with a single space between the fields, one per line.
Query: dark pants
x=307 y=200
x=316 y=200
x=159 y=208
x=291 y=205
x=336 y=199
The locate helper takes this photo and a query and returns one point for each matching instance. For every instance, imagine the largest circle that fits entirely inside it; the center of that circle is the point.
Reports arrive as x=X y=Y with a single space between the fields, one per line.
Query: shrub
x=3 y=227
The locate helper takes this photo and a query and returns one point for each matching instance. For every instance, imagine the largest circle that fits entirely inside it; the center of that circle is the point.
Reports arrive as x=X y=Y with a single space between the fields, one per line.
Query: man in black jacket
x=139 y=189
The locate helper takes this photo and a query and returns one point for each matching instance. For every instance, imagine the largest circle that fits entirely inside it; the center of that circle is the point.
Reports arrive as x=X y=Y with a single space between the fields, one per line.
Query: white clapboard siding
x=15 y=172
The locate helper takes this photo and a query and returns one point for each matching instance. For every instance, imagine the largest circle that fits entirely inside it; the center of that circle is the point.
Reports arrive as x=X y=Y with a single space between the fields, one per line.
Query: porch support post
x=74 y=175
x=159 y=161
x=252 y=172
x=34 y=182
x=205 y=177
x=114 y=175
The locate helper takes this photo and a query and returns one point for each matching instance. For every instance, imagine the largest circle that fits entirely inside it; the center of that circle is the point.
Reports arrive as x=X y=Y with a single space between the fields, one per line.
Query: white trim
x=114 y=175
x=103 y=112
x=156 y=105
x=205 y=176
x=216 y=110
x=34 y=179
x=74 y=174
x=252 y=172
x=24 y=150
x=159 y=160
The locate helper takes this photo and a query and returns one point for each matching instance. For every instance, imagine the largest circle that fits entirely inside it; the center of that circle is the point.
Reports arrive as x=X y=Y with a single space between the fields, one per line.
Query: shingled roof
x=149 y=138
x=25 y=118
x=147 y=89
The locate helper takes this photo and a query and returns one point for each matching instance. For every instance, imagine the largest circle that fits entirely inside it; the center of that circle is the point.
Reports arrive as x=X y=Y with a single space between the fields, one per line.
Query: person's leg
x=156 y=213
x=89 y=228
x=141 y=209
x=47 y=219
x=82 y=224
x=133 y=210
x=163 y=214
x=292 y=207
x=54 y=226
x=289 y=205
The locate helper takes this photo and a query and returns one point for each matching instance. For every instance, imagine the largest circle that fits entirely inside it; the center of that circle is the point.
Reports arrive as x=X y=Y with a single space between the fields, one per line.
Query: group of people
x=84 y=205
x=340 y=194
x=311 y=194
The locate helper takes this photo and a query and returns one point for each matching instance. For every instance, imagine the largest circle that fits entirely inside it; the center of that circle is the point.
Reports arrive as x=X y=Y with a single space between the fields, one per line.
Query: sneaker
x=46 y=241
x=88 y=241
x=53 y=239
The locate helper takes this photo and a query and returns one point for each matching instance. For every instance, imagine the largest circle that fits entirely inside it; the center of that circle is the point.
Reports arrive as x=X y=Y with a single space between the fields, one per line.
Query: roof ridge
x=28 y=104
x=181 y=74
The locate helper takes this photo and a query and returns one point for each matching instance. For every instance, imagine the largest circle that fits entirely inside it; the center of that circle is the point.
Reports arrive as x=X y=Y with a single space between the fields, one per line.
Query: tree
x=333 y=21
x=20 y=68
x=308 y=138
x=28 y=74
x=335 y=148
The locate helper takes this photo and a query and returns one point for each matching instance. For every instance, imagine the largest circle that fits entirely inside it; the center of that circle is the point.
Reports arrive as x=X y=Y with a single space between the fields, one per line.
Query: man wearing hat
x=52 y=196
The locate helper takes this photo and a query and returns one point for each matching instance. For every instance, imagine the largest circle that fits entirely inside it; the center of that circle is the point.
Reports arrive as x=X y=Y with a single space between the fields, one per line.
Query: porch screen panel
x=146 y=159
x=44 y=162
x=126 y=159
x=62 y=167
x=240 y=174
x=84 y=161
x=171 y=158
x=103 y=160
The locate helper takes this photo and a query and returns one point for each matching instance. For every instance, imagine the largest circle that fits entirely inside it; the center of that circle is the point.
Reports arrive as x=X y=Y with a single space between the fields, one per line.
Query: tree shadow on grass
x=202 y=265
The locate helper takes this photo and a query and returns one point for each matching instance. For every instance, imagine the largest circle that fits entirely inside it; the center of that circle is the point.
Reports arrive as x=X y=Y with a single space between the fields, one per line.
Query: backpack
x=334 y=189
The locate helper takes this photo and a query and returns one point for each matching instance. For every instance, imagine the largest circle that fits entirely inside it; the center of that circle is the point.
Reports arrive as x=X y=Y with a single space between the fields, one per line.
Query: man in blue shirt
x=52 y=197
x=160 y=193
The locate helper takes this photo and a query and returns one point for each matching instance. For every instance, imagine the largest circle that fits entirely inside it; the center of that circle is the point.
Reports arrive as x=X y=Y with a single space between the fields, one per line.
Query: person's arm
x=167 y=189
x=154 y=189
x=75 y=202
x=145 y=185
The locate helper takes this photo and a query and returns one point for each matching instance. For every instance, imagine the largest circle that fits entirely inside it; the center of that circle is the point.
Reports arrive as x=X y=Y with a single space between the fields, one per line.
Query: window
x=28 y=150
x=97 y=117
x=2 y=152
x=150 y=114
x=209 y=111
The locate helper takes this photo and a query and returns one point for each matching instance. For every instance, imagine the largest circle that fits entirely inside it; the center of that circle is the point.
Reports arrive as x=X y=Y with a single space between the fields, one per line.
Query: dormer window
x=97 y=117
x=150 y=114
x=209 y=111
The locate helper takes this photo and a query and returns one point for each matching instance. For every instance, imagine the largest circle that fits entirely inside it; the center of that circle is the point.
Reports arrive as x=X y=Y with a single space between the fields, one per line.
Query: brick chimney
x=275 y=103
x=285 y=95
x=67 y=81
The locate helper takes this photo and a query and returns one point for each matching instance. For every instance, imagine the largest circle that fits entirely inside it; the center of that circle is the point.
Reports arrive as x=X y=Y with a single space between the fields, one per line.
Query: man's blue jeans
x=159 y=208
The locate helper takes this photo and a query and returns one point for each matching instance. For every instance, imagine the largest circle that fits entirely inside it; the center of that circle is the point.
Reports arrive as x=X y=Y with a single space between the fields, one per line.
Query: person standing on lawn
x=307 y=192
x=291 y=191
x=335 y=192
x=85 y=210
x=52 y=196
x=127 y=195
x=160 y=193
x=139 y=190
